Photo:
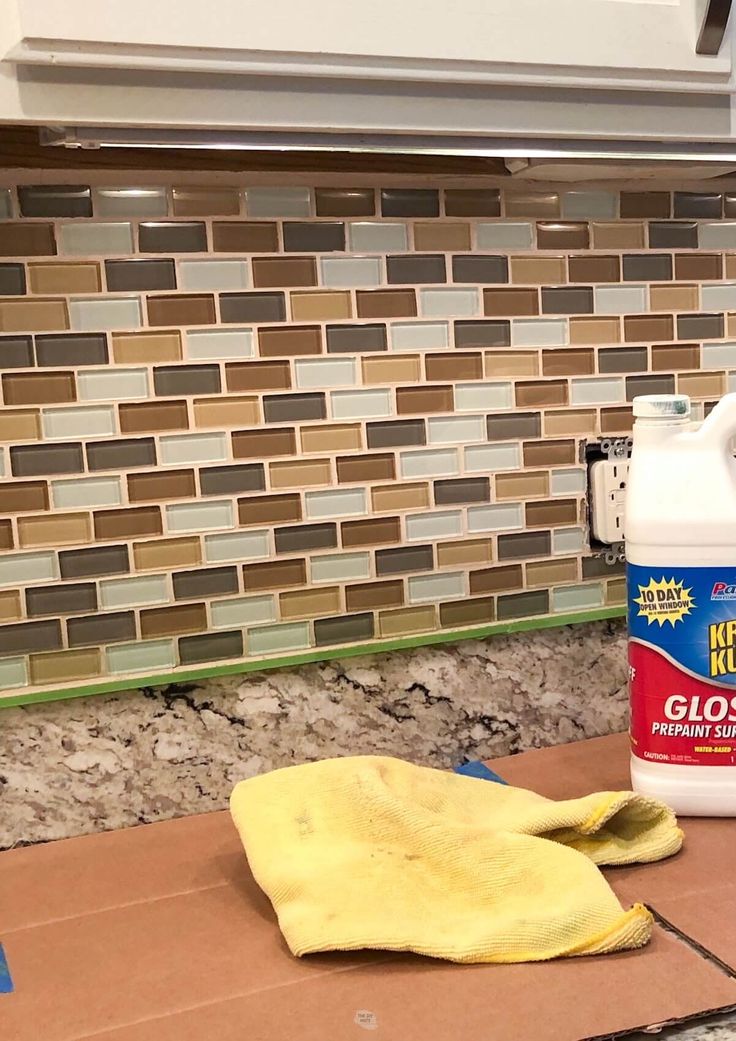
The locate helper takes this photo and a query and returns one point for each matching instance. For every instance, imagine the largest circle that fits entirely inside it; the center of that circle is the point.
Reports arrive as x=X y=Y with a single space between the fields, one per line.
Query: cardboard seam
x=698 y=948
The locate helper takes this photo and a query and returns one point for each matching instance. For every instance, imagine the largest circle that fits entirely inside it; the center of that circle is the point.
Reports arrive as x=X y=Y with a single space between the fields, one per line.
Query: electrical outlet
x=607 y=493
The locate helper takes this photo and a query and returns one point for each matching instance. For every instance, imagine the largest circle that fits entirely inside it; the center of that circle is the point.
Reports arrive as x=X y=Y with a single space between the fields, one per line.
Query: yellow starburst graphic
x=664 y=601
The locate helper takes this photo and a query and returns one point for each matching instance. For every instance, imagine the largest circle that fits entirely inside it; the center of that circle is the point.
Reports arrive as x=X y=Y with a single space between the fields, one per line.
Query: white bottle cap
x=659 y=406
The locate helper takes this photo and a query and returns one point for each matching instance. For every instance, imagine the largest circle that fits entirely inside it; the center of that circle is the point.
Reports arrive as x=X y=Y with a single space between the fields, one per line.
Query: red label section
x=675 y=717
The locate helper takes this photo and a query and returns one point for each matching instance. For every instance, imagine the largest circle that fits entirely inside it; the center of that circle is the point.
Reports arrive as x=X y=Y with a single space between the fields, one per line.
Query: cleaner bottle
x=680 y=529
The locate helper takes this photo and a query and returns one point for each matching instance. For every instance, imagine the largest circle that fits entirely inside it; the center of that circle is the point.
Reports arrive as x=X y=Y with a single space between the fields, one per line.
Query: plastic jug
x=680 y=529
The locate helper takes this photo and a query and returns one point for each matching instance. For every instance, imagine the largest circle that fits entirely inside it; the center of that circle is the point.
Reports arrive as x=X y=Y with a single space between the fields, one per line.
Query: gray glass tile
x=482 y=334
x=210 y=647
x=349 y=339
x=252 y=307
x=673 y=235
x=121 y=454
x=231 y=480
x=416 y=269
x=463 y=489
x=481 y=270
x=345 y=629
x=410 y=202
x=101 y=628
x=643 y=267
x=598 y=567
x=16 y=352
x=73 y=349
x=472 y=202
x=514 y=425
x=588 y=205
x=699 y=326
x=396 y=434
x=345 y=202
x=175 y=380
x=524 y=544
x=564 y=300
x=522 y=605
x=172 y=237
x=312 y=237
x=636 y=385
x=39 y=460
x=12 y=280
x=303 y=537
x=128 y=275
x=698 y=204
x=28 y=637
x=622 y=359
x=205 y=582
x=98 y=560
x=55 y=200
x=289 y=408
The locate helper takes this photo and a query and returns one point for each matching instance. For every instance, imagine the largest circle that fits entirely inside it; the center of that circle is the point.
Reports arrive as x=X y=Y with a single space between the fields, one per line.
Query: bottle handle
x=720 y=426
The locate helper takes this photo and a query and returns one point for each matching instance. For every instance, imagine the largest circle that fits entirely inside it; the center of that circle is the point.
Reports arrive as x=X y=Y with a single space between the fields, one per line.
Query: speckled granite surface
x=95 y=763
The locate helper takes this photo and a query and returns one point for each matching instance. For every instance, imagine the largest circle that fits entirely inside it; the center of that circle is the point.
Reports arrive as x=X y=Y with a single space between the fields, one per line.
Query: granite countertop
x=91 y=764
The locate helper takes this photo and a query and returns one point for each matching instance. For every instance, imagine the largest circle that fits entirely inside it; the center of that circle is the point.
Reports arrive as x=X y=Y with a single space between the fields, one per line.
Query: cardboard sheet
x=159 y=933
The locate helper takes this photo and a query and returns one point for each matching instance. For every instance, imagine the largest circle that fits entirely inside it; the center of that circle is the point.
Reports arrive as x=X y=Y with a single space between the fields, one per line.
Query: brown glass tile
x=320 y=307
x=522 y=485
x=121 y=454
x=356 y=339
x=39 y=388
x=673 y=235
x=636 y=385
x=96 y=561
x=552 y=513
x=531 y=204
x=304 y=537
x=306 y=603
x=343 y=629
x=128 y=523
x=55 y=200
x=186 y=379
x=167 y=553
x=386 y=303
x=205 y=582
x=252 y=307
x=258 y=375
x=510 y=301
x=616 y=591
x=511 y=363
x=594 y=268
x=289 y=408
x=730 y=265
x=64 y=666
x=145 y=347
x=71 y=349
x=647 y=267
x=667 y=357
x=618 y=235
x=564 y=300
x=569 y=421
x=524 y=544
x=482 y=334
x=225 y=411
x=16 y=352
x=153 y=415
x=390 y=498
x=372 y=595
x=210 y=647
x=522 y=605
x=539 y=270
x=729 y=209
x=21 y=239
x=469 y=551
x=410 y=202
x=514 y=425
x=13 y=280
x=205 y=202
x=17 y=497
x=269 y=509
x=230 y=479
x=333 y=437
x=54 y=529
x=131 y=275
x=440 y=367
x=568 y=363
x=57 y=278
x=674 y=297
x=595 y=330
x=37 y=314
x=559 y=235
x=345 y=202
x=182 y=309
x=20 y=425
x=393 y=368
x=39 y=460
x=424 y=399
x=699 y=267
x=295 y=340
x=161 y=485
x=10 y=606
x=472 y=202
x=254 y=444
x=645 y=204
x=170 y=621
x=404 y=560
x=544 y=392
x=6 y=534
x=497 y=579
x=647 y=328
x=274 y=574
x=461 y=490
x=549 y=453
x=625 y=359
x=699 y=326
x=616 y=420
x=396 y=434
x=172 y=237
x=414 y=268
x=551 y=572
x=278 y=272
x=245 y=237
x=702 y=205
x=444 y=236
x=314 y=237
x=30 y=636
x=361 y=469
x=376 y=531
x=459 y=613
x=300 y=473
x=479 y=269
x=101 y=628
x=701 y=384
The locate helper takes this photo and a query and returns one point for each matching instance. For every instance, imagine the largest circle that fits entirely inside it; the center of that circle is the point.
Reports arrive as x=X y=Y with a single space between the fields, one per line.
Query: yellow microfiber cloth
x=369 y=851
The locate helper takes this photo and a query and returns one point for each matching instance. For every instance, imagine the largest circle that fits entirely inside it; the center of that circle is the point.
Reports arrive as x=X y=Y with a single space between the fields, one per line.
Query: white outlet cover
x=607 y=493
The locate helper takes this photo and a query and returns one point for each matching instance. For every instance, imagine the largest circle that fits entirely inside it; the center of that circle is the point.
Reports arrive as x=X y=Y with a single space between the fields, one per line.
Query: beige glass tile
x=445 y=237
x=399 y=368
x=595 y=330
x=522 y=485
x=226 y=412
x=674 y=297
x=616 y=591
x=539 y=270
x=10 y=606
x=54 y=279
x=511 y=363
x=300 y=473
x=406 y=620
x=64 y=666
x=469 y=551
x=616 y=420
x=701 y=384
x=569 y=421
x=315 y=307
x=141 y=348
x=54 y=529
x=20 y=425
x=307 y=603
x=550 y=572
x=618 y=236
x=33 y=315
x=166 y=553
x=390 y=497
x=338 y=437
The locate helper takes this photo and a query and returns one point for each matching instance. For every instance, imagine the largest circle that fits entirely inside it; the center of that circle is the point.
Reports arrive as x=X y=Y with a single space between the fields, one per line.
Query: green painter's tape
x=305 y=657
